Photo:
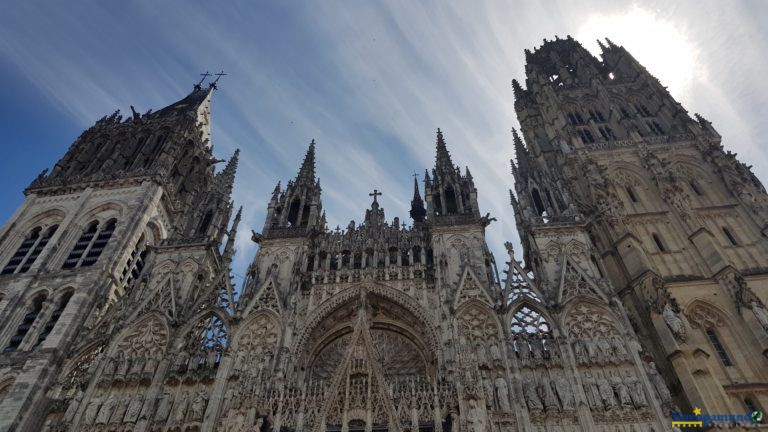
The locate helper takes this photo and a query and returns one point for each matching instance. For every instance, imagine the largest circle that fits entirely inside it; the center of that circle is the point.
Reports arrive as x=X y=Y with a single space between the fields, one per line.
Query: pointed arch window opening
x=26 y=324
x=208 y=339
x=729 y=235
x=714 y=340
x=135 y=265
x=29 y=249
x=205 y=223
x=659 y=244
x=451 y=201
x=90 y=245
x=293 y=212
x=631 y=194
x=529 y=321
x=695 y=187
x=54 y=318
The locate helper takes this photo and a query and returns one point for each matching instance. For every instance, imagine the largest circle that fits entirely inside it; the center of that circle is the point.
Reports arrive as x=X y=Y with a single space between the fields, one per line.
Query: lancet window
x=718 y=347
x=29 y=250
x=26 y=323
x=207 y=342
x=54 y=318
x=90 y=245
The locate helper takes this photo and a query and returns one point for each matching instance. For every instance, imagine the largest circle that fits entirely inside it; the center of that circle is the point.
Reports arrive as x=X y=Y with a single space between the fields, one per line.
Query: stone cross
x=375 y=194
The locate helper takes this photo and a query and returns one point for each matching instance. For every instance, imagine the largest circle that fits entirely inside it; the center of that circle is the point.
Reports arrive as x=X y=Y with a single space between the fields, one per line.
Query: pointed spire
x=307 y=171
x=226 y=177
x=229 y=248
x=600 y=43
x=517 y=89
x=276 y=191
x=443 y=158
x=418 y=212
x=521 y=154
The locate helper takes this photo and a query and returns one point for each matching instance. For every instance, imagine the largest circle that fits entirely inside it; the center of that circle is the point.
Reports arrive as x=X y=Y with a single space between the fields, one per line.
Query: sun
x=659 y=44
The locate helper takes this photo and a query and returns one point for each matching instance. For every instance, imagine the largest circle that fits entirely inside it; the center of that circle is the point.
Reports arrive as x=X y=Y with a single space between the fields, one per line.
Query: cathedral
x=639 y=292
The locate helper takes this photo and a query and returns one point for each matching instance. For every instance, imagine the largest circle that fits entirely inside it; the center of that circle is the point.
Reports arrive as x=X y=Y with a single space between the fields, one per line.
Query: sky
x=369 y=81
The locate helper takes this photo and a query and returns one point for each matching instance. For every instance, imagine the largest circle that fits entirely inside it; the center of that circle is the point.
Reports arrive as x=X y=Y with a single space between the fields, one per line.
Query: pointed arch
x=576 y=284
x=205 y=338
x=476 y=320
x=400 y=298
x=529 y=318
x=587 y=319
x=145 y=336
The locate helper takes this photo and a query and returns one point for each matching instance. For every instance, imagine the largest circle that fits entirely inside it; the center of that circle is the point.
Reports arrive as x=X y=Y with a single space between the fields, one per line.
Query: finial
x=517 y=89
x=199 y=85
x=218 y=77
x=375 y=194
x=600 y=44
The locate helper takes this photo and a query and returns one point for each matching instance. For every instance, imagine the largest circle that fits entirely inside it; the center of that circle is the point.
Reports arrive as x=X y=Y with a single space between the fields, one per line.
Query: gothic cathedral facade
x=641 y=290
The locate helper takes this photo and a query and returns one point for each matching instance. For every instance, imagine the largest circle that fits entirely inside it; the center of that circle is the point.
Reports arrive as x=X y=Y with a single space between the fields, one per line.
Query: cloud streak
x=369 y=81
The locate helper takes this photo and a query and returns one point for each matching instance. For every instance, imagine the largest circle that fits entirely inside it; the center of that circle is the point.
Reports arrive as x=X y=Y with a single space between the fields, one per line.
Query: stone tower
x=113 y=252
x=616 y=181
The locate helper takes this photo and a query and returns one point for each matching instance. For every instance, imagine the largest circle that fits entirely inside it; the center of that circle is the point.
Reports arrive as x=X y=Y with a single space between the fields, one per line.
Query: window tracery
x=527 y=320
x=90 y=245
x=206 y=342
x=587 y=321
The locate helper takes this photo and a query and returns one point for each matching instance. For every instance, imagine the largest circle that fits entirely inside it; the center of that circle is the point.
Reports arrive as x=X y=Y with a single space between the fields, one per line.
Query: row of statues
x=536 y=350
x=189 y=406
x=600 y=351
x=129 y=368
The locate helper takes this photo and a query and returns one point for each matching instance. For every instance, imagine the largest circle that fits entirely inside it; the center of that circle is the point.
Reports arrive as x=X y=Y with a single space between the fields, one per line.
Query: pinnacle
x=307 y=170
x=443 y=158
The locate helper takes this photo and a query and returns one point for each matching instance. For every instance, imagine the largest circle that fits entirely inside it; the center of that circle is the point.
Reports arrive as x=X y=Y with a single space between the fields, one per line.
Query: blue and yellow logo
x=697 y=419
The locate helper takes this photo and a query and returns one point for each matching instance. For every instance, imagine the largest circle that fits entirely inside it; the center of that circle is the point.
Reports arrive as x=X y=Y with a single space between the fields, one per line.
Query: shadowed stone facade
x=642 y=289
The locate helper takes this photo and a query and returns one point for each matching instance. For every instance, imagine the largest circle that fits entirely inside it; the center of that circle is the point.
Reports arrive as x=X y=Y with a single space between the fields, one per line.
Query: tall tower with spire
x=615 y=180
x=113 y=254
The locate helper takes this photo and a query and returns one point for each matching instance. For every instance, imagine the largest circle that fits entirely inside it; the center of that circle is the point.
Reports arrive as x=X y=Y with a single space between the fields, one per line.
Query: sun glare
x=657 y=43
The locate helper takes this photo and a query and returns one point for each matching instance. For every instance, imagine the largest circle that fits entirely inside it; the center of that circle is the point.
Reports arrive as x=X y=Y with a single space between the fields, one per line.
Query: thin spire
x=418 y=212
x=229 y=248
x=307 y=171
x=521 y=154
x=443 y=158
x=517 y=89
x=227 y=175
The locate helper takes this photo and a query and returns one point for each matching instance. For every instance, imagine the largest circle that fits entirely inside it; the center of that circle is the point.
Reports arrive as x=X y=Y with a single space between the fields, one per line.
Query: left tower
x=130 y=194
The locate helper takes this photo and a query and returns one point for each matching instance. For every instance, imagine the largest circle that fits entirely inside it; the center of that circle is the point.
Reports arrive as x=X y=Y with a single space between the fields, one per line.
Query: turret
x=417 y=212
x=297 y=209
x=451 y=196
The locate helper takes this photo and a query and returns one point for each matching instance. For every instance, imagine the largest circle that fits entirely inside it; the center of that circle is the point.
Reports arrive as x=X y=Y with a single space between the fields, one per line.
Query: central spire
x=307 y=170
x=418 y=212
x=443 y=158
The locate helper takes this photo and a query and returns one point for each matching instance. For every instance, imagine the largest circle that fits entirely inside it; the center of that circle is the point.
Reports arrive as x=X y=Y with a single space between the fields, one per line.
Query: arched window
x=26 y=323
x=91 y=244
x=695 y=188
x=655 y=127
x=659 y=244
x=55 y=315
x=135 y=264
x=451 y=206
x=537 y=202
x=607 y=133
x=293 y=212
x=205 y=223
x=731 y=239
x=29 y=250
x=586 y=136
x=631 y=194
x=718 y=347
x=207 y=342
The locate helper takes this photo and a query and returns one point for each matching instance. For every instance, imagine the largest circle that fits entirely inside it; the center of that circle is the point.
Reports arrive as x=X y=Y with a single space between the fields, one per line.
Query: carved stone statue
x=591 y=390
x=91 y=411
x=197 y=409
x=531 y=395
x=524 y=351
x=760 y=314
x=636 y=390
x=658 y=382
x=134 y=408
x=547 y=395
x=564 y=393
x=606 y=393
x=117 y=415
x=621 y=391
x=606 y=351
x=580 y=351
x=106 y=411
x=674 y=322
x=503 y=394
x=496 y=354
x=164 y=407
x=69 y=414
x=180 y=409
x=620 y=352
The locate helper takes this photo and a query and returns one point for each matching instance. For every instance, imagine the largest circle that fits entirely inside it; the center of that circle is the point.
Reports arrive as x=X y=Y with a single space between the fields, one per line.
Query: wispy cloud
x=370 y=81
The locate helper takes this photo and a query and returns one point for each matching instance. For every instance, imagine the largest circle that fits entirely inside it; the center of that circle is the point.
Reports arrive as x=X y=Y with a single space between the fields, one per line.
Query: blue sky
x=370 y=81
